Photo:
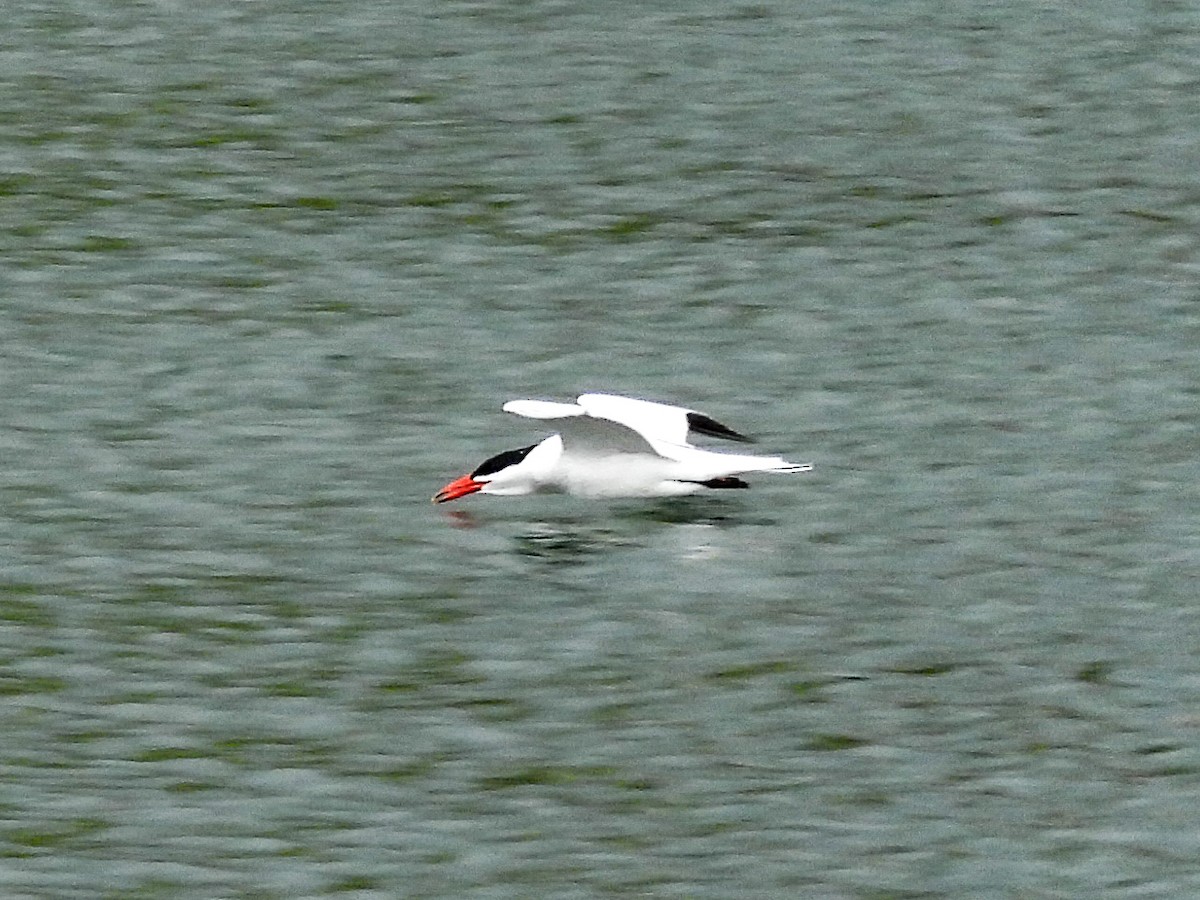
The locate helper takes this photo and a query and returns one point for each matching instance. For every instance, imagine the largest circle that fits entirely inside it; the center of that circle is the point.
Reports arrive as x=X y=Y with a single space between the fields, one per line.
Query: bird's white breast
x=620 y=475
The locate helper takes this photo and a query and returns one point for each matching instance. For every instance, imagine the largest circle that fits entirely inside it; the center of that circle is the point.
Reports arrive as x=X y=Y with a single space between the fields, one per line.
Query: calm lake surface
x=269 y=271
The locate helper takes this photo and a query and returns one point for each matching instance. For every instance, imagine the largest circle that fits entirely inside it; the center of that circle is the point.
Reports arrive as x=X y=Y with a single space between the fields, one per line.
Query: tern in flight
x=605 y=445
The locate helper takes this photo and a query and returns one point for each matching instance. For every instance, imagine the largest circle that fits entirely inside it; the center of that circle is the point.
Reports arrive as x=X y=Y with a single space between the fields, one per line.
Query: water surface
x=269 y=270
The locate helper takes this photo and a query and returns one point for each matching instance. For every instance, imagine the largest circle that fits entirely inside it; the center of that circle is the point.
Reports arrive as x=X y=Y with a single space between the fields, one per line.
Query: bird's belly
x=622 y=475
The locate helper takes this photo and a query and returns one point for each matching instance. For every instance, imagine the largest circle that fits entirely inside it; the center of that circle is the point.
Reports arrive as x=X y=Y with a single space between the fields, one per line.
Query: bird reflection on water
x=564 y=539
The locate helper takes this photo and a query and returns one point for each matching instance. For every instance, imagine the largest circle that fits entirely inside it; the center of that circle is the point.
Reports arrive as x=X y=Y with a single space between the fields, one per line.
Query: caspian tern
x=611 y=446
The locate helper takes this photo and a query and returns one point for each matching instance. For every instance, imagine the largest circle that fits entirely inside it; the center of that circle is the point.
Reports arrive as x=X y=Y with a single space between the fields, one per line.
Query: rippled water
x=270 y=269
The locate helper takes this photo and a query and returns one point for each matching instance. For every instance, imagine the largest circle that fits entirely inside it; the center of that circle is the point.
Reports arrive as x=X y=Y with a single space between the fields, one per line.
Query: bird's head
x=510 y=472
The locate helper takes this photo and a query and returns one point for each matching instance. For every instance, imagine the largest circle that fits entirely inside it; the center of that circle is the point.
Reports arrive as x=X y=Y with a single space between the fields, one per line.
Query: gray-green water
x=268 y=271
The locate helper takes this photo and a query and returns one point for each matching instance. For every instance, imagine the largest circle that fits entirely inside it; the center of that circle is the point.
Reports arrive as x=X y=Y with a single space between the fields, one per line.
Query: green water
x=268 y=272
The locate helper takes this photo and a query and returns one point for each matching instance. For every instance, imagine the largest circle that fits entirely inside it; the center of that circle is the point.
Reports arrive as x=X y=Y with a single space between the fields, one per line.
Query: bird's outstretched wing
x=582 y=433
x=656 y=421
x=605 y=424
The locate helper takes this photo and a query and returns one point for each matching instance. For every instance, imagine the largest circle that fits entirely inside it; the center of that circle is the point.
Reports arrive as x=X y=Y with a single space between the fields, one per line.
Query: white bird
x=611 y=446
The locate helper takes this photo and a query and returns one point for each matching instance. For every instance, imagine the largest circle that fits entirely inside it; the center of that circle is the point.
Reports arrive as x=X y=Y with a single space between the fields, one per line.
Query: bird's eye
x=501 y=461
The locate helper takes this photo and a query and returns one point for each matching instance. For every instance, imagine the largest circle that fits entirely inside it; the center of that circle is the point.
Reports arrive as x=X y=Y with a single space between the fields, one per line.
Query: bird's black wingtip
x=702 y=424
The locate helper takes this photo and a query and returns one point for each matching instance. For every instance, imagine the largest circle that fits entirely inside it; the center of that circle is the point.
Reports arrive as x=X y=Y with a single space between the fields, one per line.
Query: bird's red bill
x=460 y=487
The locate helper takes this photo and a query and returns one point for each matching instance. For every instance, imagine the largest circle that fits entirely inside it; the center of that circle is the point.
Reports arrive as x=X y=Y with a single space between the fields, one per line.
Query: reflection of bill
x=461 y=518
